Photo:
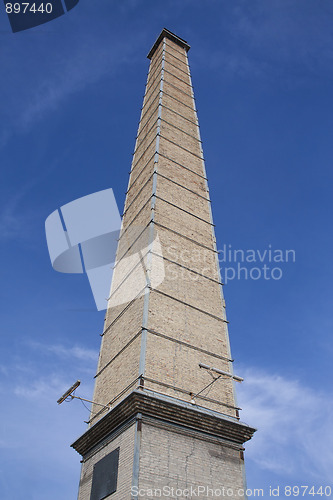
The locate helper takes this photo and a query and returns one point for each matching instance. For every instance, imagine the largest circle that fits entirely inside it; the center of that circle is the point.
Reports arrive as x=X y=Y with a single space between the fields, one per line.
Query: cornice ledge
x=166 y=409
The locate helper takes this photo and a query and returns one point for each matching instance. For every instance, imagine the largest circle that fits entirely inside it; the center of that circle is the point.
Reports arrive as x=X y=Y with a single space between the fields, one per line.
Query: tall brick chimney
x=165 y=370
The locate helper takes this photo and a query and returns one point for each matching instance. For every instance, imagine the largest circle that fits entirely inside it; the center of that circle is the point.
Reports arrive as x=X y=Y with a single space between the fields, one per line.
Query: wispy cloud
x=47 y=429
x=68 y=352
x=86 y=65
x=285 y=40
x=39 y=388
x=50 y=81
x=59 y=364
x=13 y=222
x=14 y=218
x=294 y=425
x=77 y=352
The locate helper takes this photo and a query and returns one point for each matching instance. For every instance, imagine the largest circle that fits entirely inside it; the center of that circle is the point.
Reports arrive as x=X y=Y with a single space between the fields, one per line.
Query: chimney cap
x=168 y=34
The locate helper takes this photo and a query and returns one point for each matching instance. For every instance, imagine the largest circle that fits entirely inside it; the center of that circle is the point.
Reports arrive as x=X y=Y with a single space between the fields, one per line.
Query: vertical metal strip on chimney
x=136 y=463
x=136 y=457
x=151 y=229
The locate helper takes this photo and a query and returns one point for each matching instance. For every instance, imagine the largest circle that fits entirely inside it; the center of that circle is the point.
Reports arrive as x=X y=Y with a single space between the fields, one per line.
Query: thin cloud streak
x=275 y=39
x=15 y=220
x=61 y=351
x=86 y=66
x=48 y=86
x=43 y=436
x=76 y=352
x=286 y=413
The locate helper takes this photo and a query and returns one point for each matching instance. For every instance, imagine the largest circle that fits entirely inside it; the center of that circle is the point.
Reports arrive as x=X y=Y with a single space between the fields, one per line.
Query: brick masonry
x=125 y=441
x=166 y=312
x=167 y=198
x=171 y=458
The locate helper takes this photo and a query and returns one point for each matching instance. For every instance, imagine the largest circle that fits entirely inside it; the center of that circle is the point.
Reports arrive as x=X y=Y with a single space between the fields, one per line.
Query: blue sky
x=71 y=93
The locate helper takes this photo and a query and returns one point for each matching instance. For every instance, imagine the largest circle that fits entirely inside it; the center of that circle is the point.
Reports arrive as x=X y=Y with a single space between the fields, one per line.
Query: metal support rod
x=210 y=383
x=88 y=401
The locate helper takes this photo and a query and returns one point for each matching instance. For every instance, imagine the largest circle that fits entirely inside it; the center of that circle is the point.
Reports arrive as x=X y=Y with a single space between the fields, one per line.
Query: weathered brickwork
x=177 y=52
x=166 y=315
x=185 y=378
x=179 y=178
x=171 y=216
x=178 y=460
x=114 y=380
x=187 y=324
x=167 y=195
x=188 y=253
x=125 y=441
